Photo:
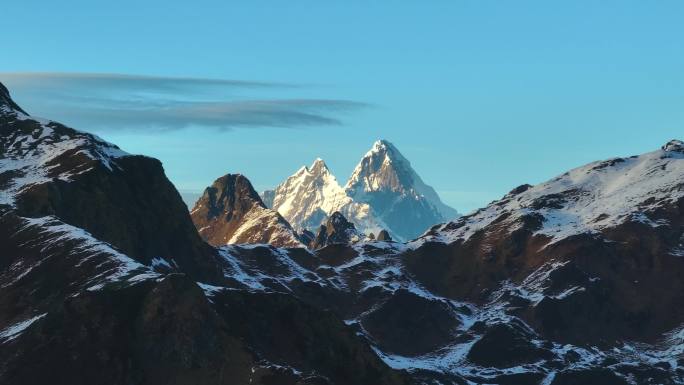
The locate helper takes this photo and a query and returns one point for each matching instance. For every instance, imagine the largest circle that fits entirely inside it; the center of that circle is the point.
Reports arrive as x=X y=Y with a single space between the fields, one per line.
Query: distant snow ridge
x=308 y=197
x=384 y=192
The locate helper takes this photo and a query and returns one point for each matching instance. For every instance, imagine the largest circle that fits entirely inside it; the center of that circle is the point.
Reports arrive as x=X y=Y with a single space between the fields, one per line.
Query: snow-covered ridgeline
x=310 y=195
x=586 y=199
x=27 y=155
x=244 y=269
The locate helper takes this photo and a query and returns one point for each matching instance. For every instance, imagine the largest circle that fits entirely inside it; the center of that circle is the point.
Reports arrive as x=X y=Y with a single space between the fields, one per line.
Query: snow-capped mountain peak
x=318 y=167
x=384 y=192
x=310 y=195
x=383 y=167
x=385 y=179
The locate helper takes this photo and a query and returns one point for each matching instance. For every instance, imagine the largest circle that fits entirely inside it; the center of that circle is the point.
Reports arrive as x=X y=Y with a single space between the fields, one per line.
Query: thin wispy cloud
x=130 y=102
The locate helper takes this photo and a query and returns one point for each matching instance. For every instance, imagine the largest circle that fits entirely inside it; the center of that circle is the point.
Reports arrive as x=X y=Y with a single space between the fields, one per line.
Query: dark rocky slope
x=124 y=200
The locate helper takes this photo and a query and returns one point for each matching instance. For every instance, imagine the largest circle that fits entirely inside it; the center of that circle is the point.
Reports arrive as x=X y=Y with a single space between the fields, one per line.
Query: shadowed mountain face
x=48 y=169
x=574 y=281
x=230 y=211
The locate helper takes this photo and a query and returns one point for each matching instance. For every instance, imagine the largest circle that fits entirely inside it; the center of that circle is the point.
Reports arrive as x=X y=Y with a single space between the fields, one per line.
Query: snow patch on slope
x=116 y=266
x=13 y=331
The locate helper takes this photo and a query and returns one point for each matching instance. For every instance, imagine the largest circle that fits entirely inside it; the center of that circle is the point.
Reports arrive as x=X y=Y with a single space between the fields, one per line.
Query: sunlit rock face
x=231 y=212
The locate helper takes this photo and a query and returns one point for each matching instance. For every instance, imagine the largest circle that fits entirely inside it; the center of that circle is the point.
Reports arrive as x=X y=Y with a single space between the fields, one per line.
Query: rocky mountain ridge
x=104 y=279
x=336 y=230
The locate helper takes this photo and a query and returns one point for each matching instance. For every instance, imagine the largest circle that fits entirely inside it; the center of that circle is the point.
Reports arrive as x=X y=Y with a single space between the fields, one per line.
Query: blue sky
x=481 y=96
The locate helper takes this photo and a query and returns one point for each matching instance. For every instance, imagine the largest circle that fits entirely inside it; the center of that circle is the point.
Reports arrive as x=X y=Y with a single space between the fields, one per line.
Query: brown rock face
x=383 y=235
x=505 y=345
x=285 y=330
x=231 y=211
x=615 y=275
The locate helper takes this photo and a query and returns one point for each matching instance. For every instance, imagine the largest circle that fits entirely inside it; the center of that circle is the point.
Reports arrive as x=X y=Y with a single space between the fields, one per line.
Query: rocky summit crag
x=231 y=211
x=104 y=279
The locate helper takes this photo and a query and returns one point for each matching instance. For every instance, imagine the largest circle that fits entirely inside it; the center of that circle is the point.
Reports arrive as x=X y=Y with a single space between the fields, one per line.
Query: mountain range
x=384 y=192
x=104 y=277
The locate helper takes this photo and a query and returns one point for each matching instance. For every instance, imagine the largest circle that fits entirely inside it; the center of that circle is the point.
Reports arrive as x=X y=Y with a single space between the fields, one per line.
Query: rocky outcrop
x=230 y=211
x=384 y=236
x=336 y=230
x=411 y=325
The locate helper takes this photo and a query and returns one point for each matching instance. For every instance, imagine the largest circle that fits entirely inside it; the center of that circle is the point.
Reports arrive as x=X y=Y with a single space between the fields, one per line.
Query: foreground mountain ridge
x=591 y=198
